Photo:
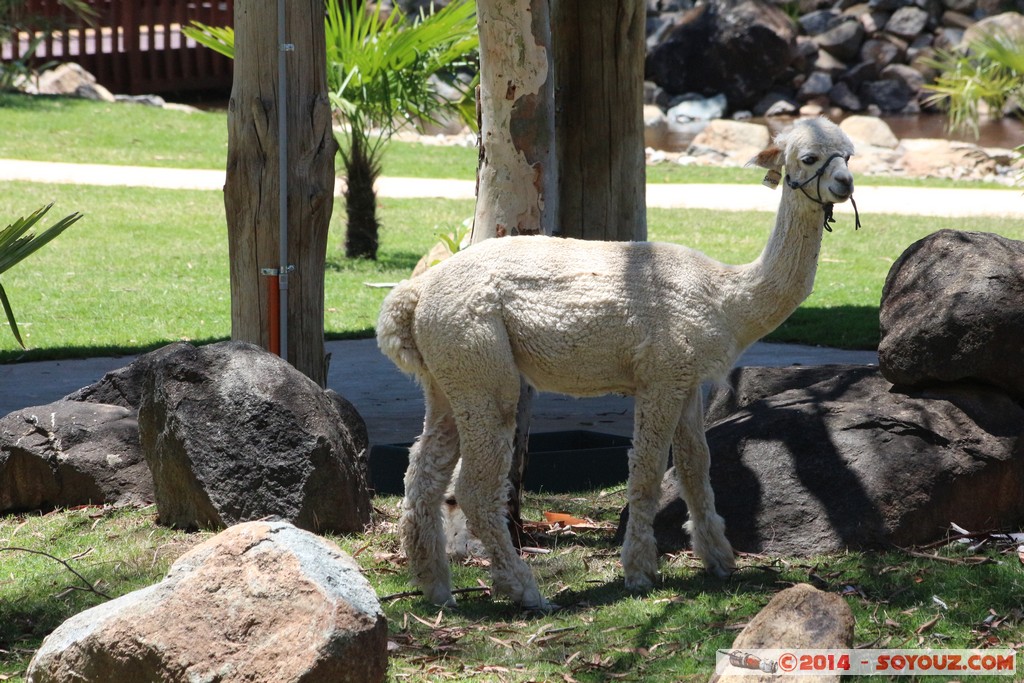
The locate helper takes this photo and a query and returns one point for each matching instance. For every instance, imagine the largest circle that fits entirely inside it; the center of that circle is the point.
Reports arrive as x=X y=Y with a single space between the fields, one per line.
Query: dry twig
x=89 y=587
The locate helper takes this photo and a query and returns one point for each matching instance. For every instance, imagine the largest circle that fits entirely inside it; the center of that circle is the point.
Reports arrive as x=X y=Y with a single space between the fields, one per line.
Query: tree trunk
x=599 y=50
x=361 y=173
x=517 y=177
x=251 y=191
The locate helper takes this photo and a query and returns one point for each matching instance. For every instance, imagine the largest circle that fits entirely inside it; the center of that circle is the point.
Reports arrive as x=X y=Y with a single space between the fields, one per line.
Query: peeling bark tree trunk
x=251 y=190
x=517 y=177
x=599 y=73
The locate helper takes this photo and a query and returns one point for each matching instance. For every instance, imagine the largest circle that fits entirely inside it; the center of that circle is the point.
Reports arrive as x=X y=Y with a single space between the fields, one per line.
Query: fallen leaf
x=563 y=519
x=928 y=625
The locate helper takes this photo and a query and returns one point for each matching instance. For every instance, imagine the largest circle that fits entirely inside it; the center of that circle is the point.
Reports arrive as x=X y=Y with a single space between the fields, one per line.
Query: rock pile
x=869 y=56
x=725 y=142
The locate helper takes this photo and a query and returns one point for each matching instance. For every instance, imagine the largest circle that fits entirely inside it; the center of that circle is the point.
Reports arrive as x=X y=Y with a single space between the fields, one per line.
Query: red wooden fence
x=133 y=46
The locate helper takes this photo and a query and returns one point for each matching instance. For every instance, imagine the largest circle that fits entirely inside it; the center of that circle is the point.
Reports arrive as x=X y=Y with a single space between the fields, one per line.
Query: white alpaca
x=587 y=318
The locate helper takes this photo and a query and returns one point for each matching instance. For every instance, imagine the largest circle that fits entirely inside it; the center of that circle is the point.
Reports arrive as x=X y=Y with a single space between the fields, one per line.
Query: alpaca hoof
x=543 y=607
x=442 y=597
x=533 y=601
x=723 y=567
x=639 y=583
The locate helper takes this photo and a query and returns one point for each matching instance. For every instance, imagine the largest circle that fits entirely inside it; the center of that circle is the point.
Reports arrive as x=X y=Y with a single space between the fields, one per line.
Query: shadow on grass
x=102 y=351
x=843 y=327
x=403 y=261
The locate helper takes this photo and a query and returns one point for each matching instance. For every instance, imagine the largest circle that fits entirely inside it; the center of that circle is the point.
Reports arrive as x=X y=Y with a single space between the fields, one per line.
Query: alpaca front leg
x=421 y=529
x=692 y=461
x=655 y=417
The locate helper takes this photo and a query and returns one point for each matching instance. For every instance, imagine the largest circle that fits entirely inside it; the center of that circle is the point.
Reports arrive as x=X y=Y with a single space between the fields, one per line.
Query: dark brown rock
x=66 y=453
x=850 y=462
x=953 y=309
x=736 y=47
x=233 y=433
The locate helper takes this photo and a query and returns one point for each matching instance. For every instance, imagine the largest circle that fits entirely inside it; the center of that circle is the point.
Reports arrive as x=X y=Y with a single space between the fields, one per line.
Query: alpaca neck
x=770 y=289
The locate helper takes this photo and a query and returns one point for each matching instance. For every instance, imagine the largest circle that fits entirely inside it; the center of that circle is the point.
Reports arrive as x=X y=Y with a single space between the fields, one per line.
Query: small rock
x=801 y=617
x=907 y=22
x=735 y=142
x=71 y=79
x=259 y=602
x=843 y=40
x=816 y=85
x=870 y=131
x=697 y=108
x=66 y=454
x=888 y=95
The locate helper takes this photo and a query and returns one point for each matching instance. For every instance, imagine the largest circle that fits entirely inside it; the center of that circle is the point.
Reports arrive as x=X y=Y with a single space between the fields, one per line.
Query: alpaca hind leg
x=656 y=415
x=692 y=461
x=431 y=461
x=482 y=492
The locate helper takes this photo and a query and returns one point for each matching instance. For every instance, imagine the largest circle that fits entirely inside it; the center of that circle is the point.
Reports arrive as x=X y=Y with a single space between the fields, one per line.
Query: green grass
x=81 y=131
x=602 y=633
x=52 y=129
x=146 y=267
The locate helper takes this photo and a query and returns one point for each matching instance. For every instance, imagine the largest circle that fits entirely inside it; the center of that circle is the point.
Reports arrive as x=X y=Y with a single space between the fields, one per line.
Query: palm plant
x=16 y=243
x=382 y=72
x=990 y=72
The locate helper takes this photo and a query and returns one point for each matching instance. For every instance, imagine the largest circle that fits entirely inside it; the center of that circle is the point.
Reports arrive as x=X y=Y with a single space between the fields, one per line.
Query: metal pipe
x=282 y=173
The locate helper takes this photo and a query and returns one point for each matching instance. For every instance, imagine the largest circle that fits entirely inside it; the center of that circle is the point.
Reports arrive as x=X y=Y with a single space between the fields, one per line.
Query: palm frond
x=989 y=72
x=17 y=243
x=220 y=39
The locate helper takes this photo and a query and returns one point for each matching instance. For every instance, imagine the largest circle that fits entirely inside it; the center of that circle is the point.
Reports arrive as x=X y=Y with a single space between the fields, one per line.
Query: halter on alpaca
x=825 y=206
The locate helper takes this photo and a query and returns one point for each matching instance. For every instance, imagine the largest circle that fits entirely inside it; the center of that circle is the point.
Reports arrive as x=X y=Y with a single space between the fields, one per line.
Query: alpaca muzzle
x=827 y=207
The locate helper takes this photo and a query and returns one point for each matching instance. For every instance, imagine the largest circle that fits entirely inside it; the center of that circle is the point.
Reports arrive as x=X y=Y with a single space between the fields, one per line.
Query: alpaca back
x=580 y=317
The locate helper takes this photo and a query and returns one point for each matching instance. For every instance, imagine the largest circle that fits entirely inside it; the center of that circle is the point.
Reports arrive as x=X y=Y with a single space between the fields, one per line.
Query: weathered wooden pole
x=517 y=191
x=599 y=50
x=251 y=191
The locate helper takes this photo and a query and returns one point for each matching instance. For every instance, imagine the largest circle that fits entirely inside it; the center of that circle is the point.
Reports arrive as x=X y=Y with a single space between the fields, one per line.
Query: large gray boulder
x=735 y=47
x=953 y=309
x=65 y=454
x=259 y=602
x=850 y=462
x=233 y=433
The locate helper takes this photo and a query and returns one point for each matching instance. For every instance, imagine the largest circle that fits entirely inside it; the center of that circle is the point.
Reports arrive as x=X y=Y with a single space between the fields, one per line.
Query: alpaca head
x=812 y=156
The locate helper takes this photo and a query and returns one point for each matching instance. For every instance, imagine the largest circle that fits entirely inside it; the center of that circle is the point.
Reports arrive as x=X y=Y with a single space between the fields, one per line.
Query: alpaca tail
x=394 y=327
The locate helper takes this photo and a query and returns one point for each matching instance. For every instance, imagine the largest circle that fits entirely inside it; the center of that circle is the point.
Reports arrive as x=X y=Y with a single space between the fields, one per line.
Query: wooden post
x=599 y=69
x=251 y=190
x=517 y=178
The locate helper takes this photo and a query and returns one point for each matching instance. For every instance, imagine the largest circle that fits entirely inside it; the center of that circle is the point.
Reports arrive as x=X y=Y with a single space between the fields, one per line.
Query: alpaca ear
x=770 y=159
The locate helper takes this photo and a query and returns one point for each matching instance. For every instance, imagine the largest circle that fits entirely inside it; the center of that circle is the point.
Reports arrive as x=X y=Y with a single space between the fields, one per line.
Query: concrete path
x=895 y=200
x=390 y=402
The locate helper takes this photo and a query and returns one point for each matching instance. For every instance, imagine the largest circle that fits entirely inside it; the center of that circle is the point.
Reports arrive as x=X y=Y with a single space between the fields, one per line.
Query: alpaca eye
x=809 y=159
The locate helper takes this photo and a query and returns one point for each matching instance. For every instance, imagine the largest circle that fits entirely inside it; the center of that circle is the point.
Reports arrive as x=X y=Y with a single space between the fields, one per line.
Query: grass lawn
x=602 y=633
x=146 y=267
